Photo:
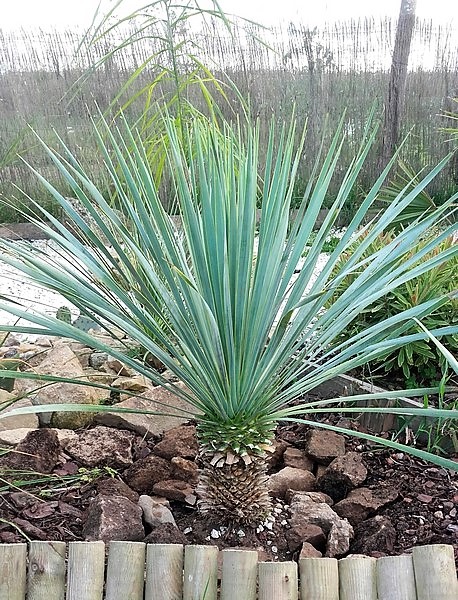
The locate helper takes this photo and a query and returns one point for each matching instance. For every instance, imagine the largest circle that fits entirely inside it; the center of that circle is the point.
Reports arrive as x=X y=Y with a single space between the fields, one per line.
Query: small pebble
x=274 y=549
x=269 y=525
x=269 y=542
x=241 y=533
x=270 y=518
x=215 y=534
x=439 y=514
x=259 y=528
x=187 y=530
x=284 y=522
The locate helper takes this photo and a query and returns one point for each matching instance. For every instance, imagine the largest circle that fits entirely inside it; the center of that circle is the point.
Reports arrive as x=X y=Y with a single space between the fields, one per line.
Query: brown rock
x=294 y=457
x=290 y=478
x=320 y=469
x=155 y=513
x=374 y=535
x=63 y=361
x=115 y=487
x=305 y=532
x=102 y=446
x=184 y=469
x=307 y=509
x=39 y=451
x=324 y=446
x=313 y=496
x=166 y=533
x=18 y=421
x=179 y=441
x=113 y=518
x=153 y=399
x=173 y=489
x=363 y=502
x=308 y=551
x=342 y=475
x=144 y=473
x=276 y=457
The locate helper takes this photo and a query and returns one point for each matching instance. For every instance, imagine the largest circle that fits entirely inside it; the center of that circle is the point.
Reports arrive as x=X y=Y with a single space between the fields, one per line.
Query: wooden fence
x=136 y=571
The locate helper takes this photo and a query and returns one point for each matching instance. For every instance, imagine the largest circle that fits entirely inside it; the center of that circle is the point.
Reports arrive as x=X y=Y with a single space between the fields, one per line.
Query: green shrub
x=420 y=361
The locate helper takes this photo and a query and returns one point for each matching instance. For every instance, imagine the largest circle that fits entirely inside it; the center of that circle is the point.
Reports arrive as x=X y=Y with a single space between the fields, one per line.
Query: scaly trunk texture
x=233 y=488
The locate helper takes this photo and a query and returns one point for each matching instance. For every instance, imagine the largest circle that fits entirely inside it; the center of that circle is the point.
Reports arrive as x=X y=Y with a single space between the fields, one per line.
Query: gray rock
x=307 y=509
x=153 y=399
x=324 y=446
x=113 y=518
x=102 y=446
x=155 y=513
x=29 y=421
x=97 y=360
x=290 y=478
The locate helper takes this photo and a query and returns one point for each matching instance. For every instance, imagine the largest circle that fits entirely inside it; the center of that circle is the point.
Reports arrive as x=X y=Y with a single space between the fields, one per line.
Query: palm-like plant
x=220 y=302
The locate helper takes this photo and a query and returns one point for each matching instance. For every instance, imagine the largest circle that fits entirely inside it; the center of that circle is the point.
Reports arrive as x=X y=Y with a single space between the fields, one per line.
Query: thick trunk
x=398 y=76
x=234 y=490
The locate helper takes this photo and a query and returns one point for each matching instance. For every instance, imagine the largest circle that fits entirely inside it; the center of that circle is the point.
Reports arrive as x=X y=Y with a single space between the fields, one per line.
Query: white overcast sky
x=70 y=13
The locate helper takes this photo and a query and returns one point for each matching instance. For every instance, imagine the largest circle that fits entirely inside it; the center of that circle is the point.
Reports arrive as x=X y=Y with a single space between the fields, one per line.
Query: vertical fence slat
x=278 y=581
x=396 y=578
x=125 y=571
x=46 y=575
x=319 y=578
x=357 y=578
x=435 y=573
x=164 y=572
x=239 y=574
x=200 y=572
x=13 y=561
x=86 y=569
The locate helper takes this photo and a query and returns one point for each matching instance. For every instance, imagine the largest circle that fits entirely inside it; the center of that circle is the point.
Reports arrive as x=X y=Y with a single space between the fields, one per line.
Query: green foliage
x=166 y=29
x=406 y=179
x=215 y=298
x=419 y=362
x=82 y=322
x=44 y=485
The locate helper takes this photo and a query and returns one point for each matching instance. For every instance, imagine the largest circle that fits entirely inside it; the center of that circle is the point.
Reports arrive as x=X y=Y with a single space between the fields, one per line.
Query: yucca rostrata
x=233 y=307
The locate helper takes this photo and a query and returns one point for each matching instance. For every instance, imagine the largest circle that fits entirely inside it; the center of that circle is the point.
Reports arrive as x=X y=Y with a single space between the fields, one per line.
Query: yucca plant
x=219 y=299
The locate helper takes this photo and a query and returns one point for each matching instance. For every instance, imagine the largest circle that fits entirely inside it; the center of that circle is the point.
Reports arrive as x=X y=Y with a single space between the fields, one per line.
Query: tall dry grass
x=318 y=73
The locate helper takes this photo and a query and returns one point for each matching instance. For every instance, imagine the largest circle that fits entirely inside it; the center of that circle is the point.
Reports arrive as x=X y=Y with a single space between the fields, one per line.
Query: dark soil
x=54 y=508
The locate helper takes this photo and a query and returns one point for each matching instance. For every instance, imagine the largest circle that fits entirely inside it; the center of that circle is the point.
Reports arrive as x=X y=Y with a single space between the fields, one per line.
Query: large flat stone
x=154 y=399
x=12 y=437
x=18 y=421
x=62 y=361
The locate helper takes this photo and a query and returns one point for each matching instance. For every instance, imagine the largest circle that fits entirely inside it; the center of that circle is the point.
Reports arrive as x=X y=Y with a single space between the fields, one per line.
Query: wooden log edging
x=137 y=571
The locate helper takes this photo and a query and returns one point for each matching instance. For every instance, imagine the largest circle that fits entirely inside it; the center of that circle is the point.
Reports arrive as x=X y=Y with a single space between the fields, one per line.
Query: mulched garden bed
x=425 y=511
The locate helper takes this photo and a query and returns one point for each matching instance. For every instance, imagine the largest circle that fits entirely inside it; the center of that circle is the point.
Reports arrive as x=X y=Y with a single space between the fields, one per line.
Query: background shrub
x=419 y=362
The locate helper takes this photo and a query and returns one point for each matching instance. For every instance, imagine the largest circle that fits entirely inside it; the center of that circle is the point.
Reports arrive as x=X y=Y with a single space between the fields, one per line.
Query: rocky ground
x=131 y=477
